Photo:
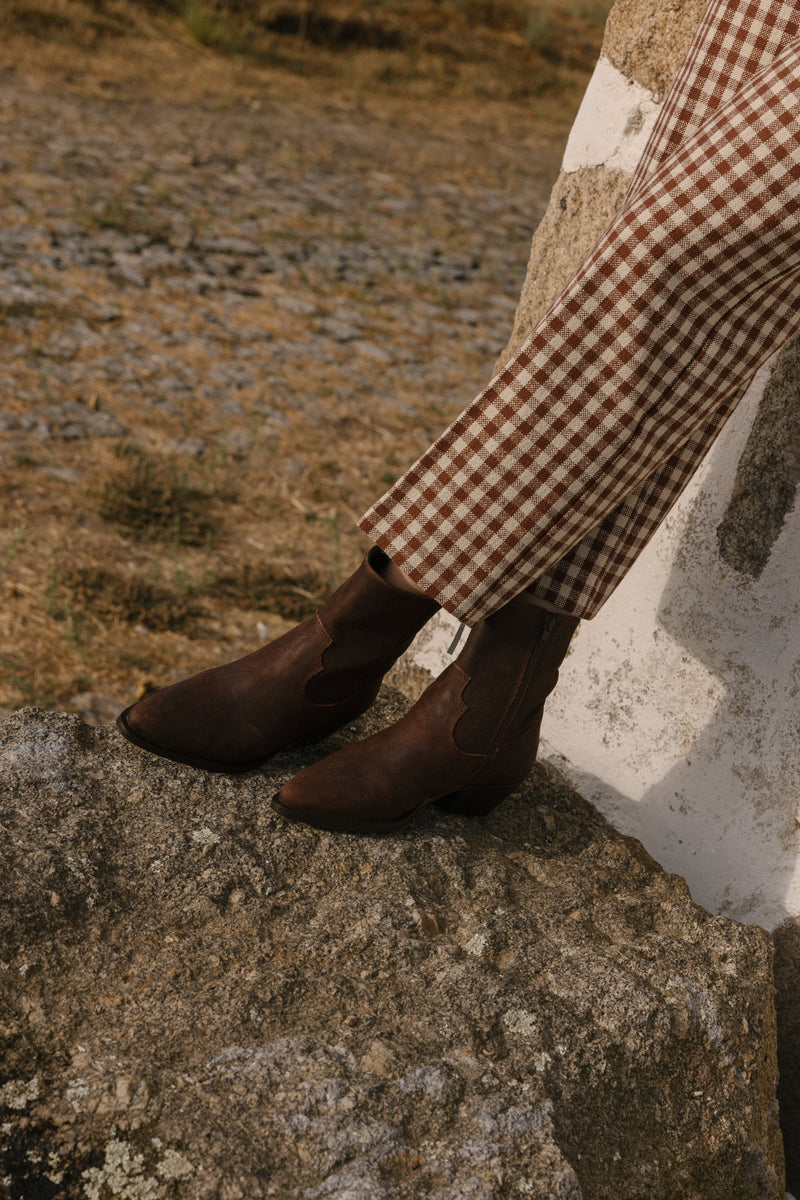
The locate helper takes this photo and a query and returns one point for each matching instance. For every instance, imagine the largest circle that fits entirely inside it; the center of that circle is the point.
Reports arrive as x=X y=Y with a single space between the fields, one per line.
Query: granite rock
x=582 y=204
x=198 y=999
x=648 y=39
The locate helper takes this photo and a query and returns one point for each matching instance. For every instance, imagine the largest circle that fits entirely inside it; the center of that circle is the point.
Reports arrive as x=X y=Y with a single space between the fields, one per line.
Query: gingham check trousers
x=558 y=474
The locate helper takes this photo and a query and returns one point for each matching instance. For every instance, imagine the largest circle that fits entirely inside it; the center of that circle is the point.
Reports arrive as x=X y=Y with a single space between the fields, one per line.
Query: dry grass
x=293 y=597
x=151 y=566
x=131 y=599
x=503 y=49
x=111 y=596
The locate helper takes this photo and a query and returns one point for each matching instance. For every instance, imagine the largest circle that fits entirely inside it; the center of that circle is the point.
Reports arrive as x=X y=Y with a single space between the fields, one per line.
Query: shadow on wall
x=763 y=548
x=678 y=710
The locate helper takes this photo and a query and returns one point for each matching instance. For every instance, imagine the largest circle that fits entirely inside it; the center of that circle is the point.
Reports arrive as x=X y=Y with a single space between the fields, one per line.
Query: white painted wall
x=614 y=121
x=678 y=712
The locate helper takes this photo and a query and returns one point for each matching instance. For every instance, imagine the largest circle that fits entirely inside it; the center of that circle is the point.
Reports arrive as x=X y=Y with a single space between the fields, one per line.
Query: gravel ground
x=276 y=294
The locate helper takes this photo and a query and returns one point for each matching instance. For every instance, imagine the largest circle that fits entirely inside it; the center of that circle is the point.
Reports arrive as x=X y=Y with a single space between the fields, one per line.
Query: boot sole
x=210 y=764
x=466 y=802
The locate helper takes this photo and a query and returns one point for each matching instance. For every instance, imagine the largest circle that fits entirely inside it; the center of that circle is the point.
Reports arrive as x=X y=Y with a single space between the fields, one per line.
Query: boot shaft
x=370 y=623
x=512 y=659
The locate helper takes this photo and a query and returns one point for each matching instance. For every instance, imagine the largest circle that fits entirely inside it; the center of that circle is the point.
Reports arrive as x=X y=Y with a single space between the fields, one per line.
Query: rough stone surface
x=768 y=473
x=582 y=204
x=648 y=39
x=200 y=1000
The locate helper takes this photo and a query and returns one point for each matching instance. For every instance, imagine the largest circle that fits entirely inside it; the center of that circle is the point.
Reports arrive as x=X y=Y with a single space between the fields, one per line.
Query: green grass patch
x=154 y=499
x=215 y=29
x=15 y=673
x=94 y=212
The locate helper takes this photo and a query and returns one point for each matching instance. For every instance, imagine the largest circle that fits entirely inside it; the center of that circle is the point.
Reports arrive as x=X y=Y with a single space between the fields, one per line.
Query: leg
x=578 y=446
x=231 y=718
x=735 y=40
x=693 y=286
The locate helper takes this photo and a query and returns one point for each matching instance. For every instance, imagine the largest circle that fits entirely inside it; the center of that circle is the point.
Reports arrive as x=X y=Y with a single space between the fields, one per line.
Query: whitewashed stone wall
x=678 y=712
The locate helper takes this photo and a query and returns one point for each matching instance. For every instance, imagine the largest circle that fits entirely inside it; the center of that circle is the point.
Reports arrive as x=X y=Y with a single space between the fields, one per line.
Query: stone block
x=198 y=999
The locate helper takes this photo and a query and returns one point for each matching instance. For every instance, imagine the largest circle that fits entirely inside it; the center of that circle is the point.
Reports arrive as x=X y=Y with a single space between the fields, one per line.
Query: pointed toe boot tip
x=129 y=731
x=330 y=824
x=132 y=735
x=289 y=813
x=181 y=757
x=123 y=725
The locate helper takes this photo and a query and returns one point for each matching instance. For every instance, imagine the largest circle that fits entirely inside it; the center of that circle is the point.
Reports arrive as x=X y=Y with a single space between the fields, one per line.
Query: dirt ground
x=236 y=301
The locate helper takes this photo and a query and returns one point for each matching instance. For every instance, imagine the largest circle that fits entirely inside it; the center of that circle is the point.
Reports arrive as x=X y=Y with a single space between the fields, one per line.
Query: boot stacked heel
x=475 y=801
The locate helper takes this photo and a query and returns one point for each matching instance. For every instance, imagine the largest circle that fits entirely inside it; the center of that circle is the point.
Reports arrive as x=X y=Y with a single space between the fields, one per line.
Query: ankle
x=397 y=578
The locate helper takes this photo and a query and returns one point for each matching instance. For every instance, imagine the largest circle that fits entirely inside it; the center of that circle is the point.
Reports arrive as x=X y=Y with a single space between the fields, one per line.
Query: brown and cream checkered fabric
x=558 y=474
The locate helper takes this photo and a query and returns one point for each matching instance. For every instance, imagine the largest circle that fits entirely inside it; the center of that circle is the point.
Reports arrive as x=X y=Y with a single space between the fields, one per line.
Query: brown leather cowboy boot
x=467 y=743
x=316 y=677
